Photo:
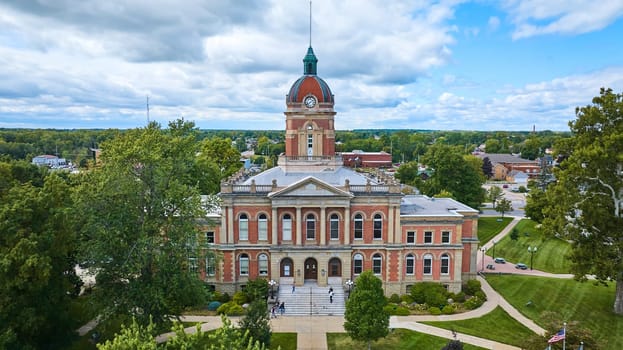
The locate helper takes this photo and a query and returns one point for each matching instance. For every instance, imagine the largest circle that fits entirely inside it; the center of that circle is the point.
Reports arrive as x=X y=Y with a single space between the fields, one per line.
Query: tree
x=514 y=234
x=487 y=167
x=137 y=215
x=257 y=321
x=536 y=202
x=504 y=206
x=37 y=259
x=494 y=194
x=217 y=160
x=586 y=203
x=366 y=320
x=453 y=345
x=454 y=173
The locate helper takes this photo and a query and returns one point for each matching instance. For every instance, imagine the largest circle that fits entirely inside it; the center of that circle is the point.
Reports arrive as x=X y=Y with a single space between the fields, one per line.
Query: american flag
x=557 y=337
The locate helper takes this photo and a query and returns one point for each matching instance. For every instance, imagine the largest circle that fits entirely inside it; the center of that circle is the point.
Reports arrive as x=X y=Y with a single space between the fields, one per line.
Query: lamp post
x=349 y=283
x=272 y=285
x=531 y=250
x=483 y=250
x=494 y=242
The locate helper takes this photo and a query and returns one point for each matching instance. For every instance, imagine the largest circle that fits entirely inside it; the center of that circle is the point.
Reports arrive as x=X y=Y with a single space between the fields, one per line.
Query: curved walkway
x=312 y=330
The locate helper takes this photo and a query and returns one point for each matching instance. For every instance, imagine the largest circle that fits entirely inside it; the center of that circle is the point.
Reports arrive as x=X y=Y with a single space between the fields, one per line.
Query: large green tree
x=366 y=318
x=586 y=203
x=494 y=194
x=37 y=259
x=456 y=173
x=136 y=214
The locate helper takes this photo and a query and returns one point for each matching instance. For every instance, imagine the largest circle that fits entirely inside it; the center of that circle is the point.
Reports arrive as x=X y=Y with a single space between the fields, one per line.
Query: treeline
x=404 y=145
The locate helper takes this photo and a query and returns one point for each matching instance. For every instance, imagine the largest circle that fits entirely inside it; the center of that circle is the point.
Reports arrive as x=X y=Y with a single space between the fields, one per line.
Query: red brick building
x=311 y=219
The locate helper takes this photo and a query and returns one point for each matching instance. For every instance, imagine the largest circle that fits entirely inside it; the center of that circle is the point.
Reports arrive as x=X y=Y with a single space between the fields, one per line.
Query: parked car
x=521 y=266
x=490 y=267
x=499 y=261
x=505 y=186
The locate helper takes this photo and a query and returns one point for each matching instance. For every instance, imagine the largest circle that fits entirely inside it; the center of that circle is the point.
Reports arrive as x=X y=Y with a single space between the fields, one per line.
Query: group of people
x=277 y=306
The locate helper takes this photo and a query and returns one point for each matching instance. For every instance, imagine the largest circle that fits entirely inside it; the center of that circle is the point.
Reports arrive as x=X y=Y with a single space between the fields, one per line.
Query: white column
x=390 y=225
x=347 y=225
x=299 y=222
x=323 y=226
x=230 y=225
x=275 y=220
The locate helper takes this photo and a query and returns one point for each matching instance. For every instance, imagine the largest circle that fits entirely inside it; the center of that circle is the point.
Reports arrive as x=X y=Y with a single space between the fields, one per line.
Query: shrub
x=224 y=298
x=395 y=298
x=471 y=287
x=473 y=303
x=480 y=295
x=397 y=310
x=433 y=294
x=434 y=310
x=407 y=298
x=458 y=297
x=230 y=309
x=240 y=298
x=216 y=295
x=448 y=310
x=214 y=305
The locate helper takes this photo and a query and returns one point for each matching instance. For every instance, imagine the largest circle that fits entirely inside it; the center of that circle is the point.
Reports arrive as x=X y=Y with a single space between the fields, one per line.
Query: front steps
x=311 y=300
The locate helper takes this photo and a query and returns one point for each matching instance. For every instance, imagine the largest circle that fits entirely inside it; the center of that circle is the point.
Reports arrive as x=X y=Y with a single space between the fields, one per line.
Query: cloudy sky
x=444 y=65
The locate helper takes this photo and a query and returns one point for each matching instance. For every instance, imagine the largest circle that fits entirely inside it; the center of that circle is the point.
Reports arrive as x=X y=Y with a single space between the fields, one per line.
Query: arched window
x=410 y=265
x=262 y=227
x=243 y=227
x=357 y=264
x=286 y=227
x=378 y=226
x=358 y=226
x=428 y=264
x=377 y=264
x=244 y=265
x=334 y=221
x=310 y=224
x=445 y=264
x=262 y=262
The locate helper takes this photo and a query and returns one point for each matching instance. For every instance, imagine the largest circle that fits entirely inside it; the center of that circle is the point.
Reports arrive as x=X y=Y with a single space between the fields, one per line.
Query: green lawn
x=551 y=255
x=586 y=302
x=396 y=340
x=287 y=341
x=507 y=330
x=489 y=226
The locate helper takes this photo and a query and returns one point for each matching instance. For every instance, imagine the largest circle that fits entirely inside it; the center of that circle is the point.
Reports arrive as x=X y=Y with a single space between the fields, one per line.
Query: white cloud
x=493 y=23
x=536 y=17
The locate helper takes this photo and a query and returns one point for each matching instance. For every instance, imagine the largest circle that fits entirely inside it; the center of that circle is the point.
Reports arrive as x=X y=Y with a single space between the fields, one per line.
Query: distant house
x=49 y=161
x=503 y=164
x=518 y=177
x=358 y=158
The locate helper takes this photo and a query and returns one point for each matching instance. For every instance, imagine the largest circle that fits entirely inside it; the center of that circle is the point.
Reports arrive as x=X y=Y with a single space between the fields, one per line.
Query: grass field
x=489 y=226
x=551 y=255
x=496 y=325
x=397 y=340
x=586 y=302
x=284 y=341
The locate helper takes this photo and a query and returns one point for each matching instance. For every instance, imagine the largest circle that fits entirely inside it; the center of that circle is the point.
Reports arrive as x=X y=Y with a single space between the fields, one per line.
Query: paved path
x=312 y=330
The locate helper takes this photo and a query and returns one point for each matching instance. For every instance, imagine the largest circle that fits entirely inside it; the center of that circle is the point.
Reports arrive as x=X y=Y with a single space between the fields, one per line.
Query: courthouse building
x=313 y=220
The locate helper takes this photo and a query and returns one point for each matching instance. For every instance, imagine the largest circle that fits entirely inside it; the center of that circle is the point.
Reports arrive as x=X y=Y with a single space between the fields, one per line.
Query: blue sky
x=445 y=65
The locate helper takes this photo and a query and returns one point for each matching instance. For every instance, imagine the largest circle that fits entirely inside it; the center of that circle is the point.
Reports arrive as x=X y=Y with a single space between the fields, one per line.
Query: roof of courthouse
x=424 y=205
x=334 y=177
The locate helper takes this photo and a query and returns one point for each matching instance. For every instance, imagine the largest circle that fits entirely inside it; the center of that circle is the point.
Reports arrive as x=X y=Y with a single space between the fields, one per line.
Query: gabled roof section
x=310 y=187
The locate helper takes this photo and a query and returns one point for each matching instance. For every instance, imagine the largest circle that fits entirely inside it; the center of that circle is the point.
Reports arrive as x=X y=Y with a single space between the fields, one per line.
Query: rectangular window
x=210 y=266
x=210 y=237
x=358 y=266
x=445 y=266
x=445 y=237
x=410 y=266
x=192 y=264
x=244 y=266
x=262 y=229
x=335 y=229
x=428 y=237
x=311 y=229
x=410 y=237
x=287 y=230
x=263 y=267
x=378 y=229
x=244 y=230
x=428 y=266
x=358 y=229
x=376 y=266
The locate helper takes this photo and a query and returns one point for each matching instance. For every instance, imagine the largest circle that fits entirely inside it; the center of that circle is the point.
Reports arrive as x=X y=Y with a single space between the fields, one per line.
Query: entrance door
x=311 y=269
x=286 y=268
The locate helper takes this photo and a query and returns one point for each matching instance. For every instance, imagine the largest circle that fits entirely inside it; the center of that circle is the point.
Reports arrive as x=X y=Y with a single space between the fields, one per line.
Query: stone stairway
x=310 y=300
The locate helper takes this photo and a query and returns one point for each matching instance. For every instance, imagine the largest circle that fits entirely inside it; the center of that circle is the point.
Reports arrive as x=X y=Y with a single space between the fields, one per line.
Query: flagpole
x=564 y=340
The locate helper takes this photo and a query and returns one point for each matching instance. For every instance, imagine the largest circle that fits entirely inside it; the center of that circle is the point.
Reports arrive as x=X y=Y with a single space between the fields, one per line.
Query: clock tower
x=310 y=129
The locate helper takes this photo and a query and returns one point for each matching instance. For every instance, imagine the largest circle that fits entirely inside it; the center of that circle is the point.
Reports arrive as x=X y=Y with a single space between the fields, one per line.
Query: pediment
x=310 y=187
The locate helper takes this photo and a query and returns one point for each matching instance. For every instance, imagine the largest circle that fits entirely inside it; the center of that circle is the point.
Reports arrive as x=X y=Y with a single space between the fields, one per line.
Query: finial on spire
x=310 y=21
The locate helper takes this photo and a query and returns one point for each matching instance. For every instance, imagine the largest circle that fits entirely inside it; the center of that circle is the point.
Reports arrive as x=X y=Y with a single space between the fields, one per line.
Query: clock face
x=310 y=101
